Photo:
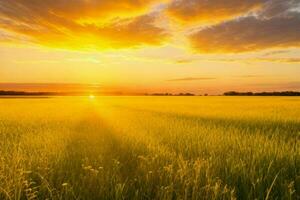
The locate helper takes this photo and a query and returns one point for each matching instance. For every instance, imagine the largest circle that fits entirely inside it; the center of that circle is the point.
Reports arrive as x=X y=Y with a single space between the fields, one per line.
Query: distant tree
x=22 y=93
x=284 y=93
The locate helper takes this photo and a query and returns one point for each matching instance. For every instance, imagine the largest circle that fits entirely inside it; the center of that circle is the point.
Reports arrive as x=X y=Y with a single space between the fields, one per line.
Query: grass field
x=150 y=148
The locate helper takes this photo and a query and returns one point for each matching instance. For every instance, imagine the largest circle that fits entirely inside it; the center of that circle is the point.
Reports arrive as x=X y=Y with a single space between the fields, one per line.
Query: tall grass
x=150 y=148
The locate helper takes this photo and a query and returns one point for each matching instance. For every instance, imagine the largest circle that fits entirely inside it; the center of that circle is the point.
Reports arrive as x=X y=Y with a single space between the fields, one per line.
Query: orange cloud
x=82 y=24
x=32 y=10
x=248 y=34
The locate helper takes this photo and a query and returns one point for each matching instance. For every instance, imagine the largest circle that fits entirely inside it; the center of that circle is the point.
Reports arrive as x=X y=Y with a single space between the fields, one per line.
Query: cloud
x=274 y=25
x=203 y=12
x=184 y=61
x=272 y=53
x=248 y=34
x=230 y=26
x=192 y=79
x=82 y=24
x=279 y=60
x=250 y=76
x=7 y=37
x=74 y=10
x=278 y=8
x=289 y=60
x=212 y=11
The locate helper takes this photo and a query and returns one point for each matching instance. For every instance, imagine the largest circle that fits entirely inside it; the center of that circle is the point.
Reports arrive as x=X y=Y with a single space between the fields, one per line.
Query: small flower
x=87 y=167
x=65 y=184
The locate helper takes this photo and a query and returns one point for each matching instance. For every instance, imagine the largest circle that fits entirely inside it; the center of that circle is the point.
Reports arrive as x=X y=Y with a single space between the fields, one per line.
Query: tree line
x=283 y=93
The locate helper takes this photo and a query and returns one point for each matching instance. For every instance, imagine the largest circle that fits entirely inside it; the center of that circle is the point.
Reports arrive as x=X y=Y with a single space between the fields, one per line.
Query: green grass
x=150 y=148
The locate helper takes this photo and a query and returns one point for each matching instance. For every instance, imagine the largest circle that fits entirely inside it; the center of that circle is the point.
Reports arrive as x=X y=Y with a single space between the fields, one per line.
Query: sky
x=147 y=46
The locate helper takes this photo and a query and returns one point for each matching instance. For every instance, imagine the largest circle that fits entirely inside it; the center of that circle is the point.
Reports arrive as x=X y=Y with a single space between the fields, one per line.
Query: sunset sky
x=134 y=46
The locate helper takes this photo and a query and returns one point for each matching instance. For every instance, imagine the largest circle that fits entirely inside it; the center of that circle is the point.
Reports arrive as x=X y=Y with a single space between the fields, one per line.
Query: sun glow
x=91 y=97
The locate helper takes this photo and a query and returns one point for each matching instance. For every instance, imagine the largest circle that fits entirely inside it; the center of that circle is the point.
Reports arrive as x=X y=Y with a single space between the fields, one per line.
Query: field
x=150 y=148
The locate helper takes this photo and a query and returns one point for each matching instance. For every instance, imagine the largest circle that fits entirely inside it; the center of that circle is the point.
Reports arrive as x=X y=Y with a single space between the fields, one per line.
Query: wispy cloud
x=279 y=60
x=250 y=76
x=192 y=79
x=272 y=53
x=259 y=59
x=184 y=61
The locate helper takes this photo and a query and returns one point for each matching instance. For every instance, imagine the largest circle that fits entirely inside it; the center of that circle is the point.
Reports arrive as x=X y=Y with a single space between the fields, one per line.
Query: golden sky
x=144 y=46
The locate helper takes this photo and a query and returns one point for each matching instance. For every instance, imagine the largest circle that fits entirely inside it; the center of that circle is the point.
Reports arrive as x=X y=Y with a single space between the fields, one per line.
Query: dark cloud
x=274 y=25
x=215 y=11
x=278 y=8
x=212 y=11
x=248 y=34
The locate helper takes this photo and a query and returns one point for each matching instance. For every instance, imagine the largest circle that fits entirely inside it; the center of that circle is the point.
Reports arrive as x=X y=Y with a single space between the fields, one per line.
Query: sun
x=92 y=96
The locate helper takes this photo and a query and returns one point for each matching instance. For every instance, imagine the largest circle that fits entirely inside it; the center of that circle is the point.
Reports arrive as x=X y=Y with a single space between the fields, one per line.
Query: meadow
x=150 y=148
